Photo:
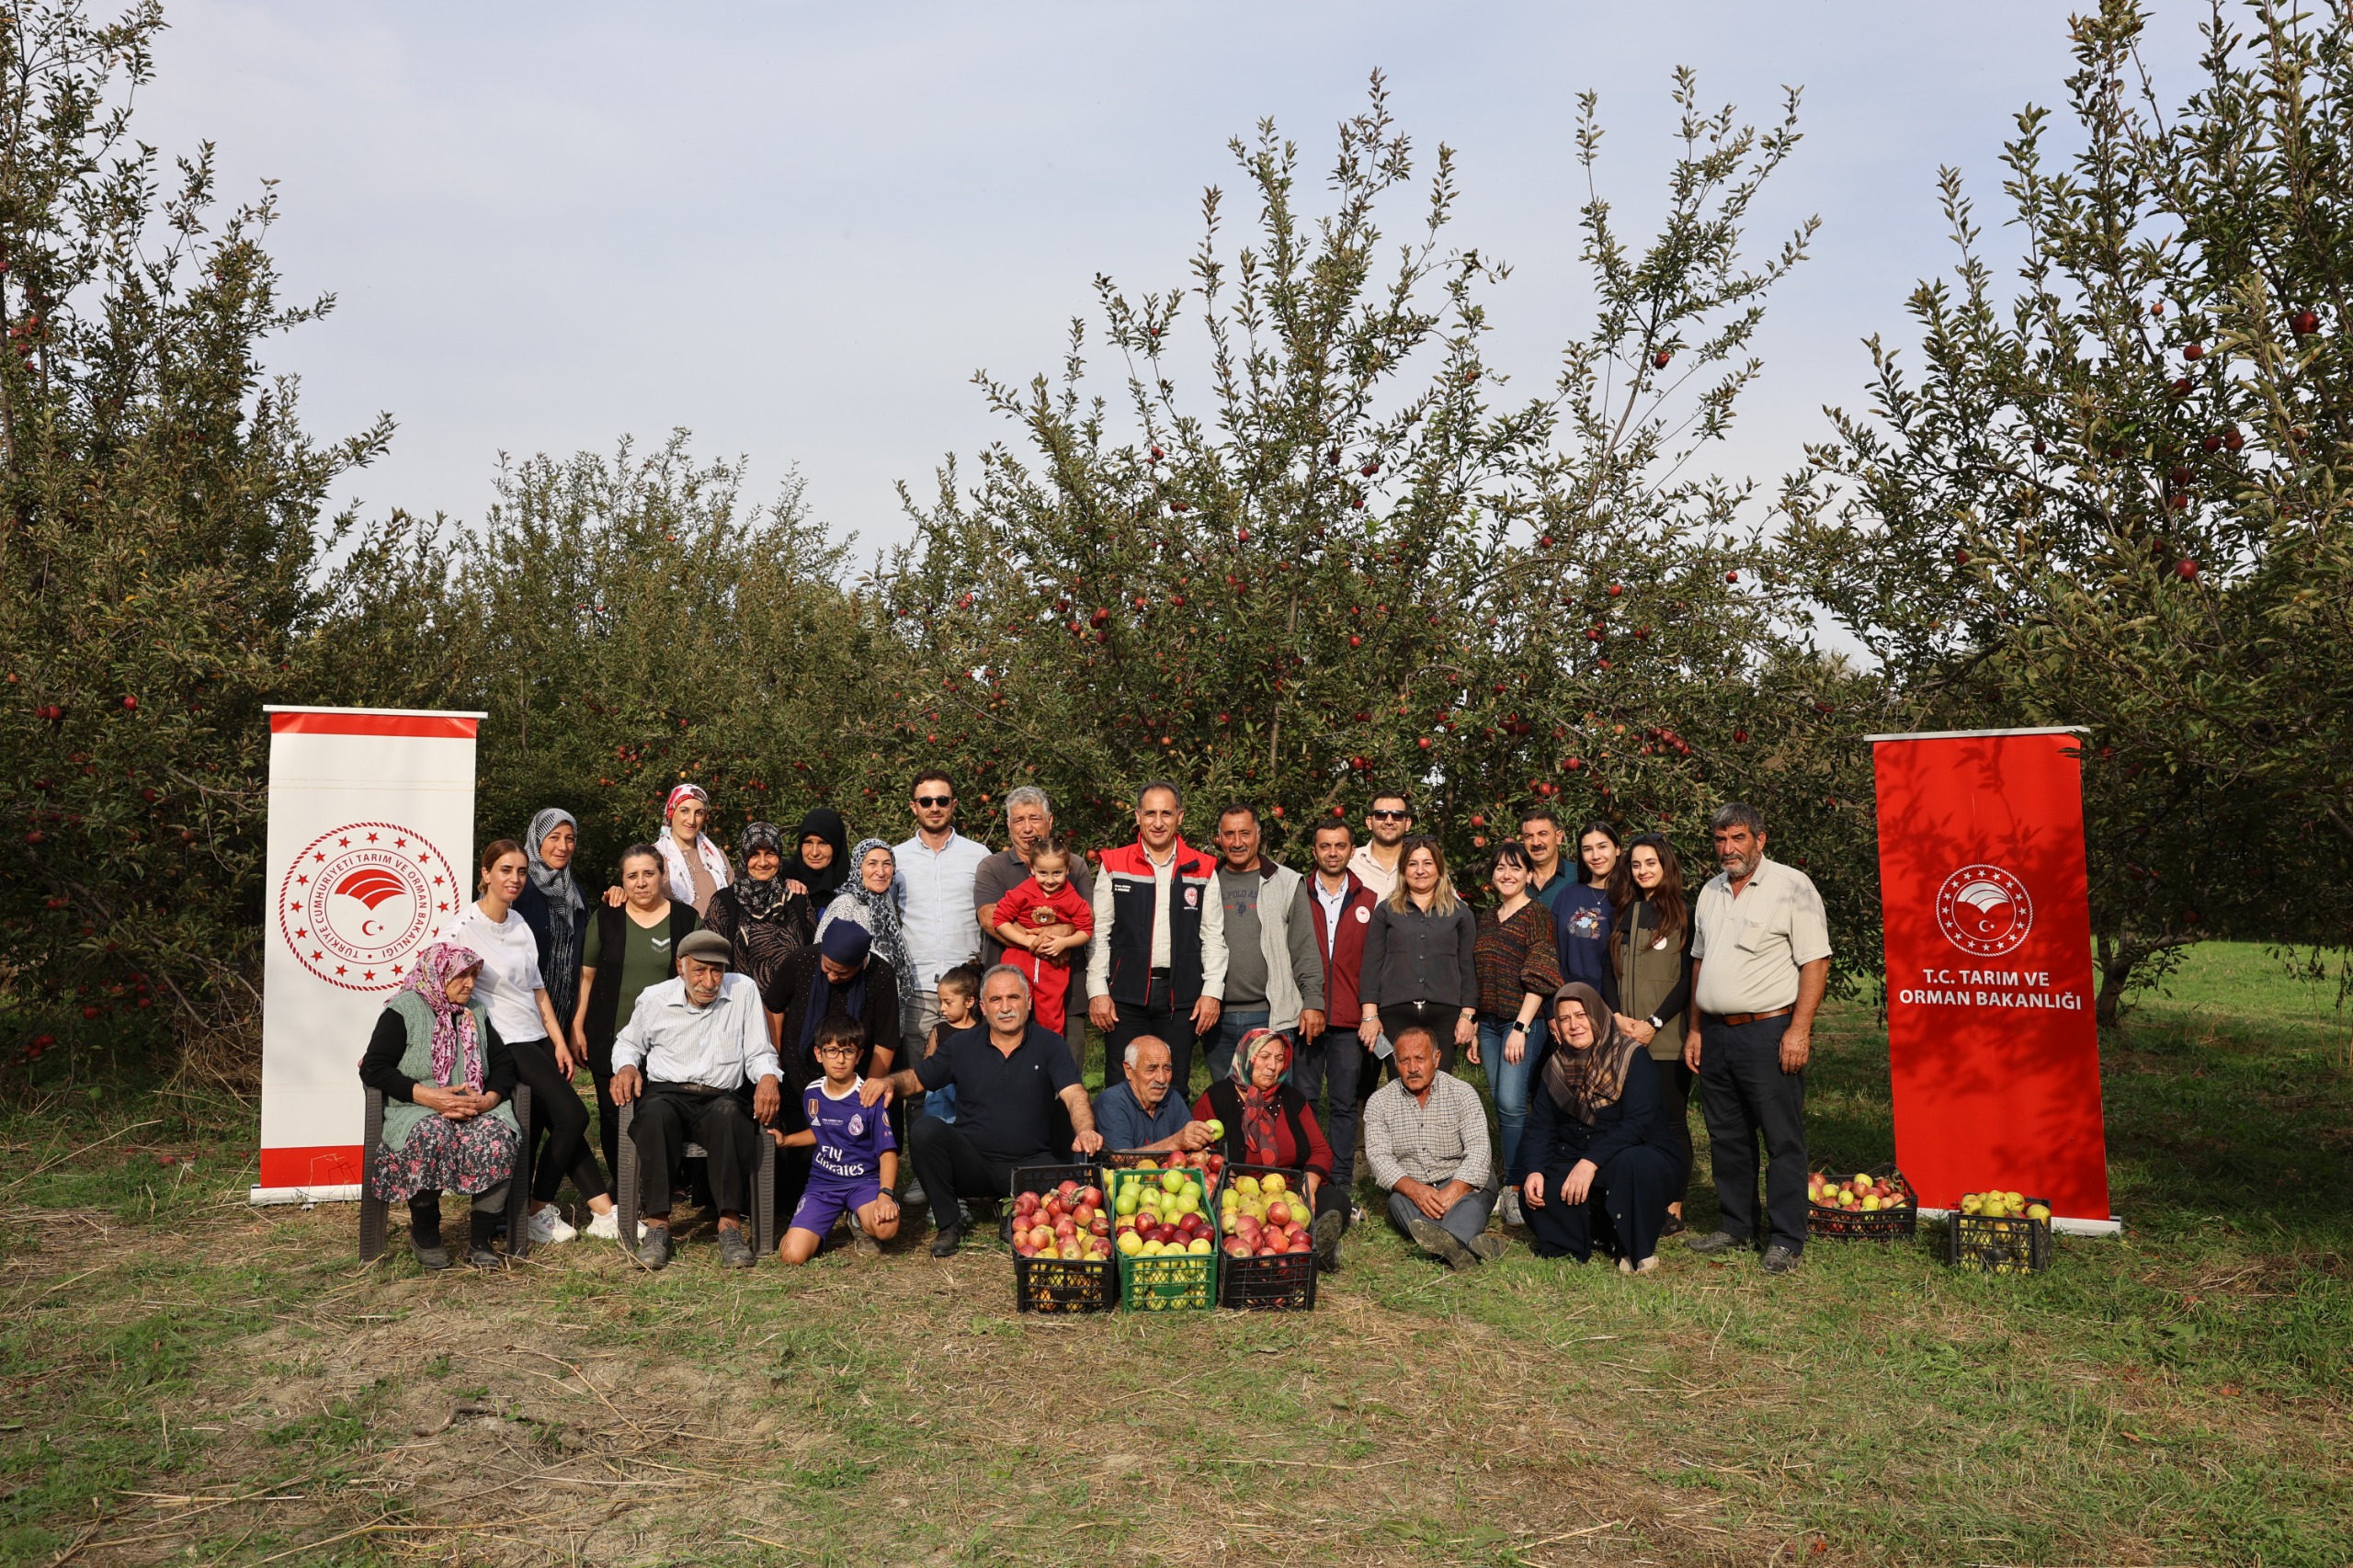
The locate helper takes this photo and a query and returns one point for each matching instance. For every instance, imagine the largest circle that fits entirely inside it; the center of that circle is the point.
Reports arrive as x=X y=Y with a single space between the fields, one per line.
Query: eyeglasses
x=1391 y=816
x=935 y=800
x=838 y=1048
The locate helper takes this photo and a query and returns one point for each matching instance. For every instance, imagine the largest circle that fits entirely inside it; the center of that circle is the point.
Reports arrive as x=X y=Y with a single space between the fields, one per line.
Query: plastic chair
x=625 y=1185
x=374 y=1211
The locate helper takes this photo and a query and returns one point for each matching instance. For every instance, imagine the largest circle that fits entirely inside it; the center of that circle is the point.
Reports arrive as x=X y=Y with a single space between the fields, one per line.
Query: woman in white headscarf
x=698 y=868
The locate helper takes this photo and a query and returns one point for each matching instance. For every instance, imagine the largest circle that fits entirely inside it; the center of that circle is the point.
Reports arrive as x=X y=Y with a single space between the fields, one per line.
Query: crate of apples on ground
x=1876 y=1205
x=1166 y=1242
x=1263 y=1216
x=1067 y=1223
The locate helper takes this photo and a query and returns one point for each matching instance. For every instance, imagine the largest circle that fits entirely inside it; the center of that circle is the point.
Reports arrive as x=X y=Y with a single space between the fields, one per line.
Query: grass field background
x=190 y=1380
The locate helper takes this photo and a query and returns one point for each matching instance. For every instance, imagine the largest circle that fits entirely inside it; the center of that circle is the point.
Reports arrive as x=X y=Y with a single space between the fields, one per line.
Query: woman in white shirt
x=519 y=1010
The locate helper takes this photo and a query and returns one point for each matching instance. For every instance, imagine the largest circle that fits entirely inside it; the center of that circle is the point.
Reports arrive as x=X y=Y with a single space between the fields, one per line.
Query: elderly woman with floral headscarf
x=765 y=920
x=1598 y=1160
x=1268 y=1123
x=446 y=1077
x=698 y=868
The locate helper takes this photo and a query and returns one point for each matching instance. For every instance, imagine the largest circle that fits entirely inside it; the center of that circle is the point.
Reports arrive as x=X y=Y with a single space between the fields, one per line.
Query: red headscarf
x=1261 y=1109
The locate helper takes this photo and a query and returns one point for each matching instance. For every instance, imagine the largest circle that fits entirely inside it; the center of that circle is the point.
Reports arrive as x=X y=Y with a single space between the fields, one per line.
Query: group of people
x=934 y=998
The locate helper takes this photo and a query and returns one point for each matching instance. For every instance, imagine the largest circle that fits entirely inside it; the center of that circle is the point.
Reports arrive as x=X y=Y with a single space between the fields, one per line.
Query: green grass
x=187 y=1379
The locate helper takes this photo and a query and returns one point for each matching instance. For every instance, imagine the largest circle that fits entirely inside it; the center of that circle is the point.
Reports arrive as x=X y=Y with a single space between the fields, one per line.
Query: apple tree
x=2114 y=492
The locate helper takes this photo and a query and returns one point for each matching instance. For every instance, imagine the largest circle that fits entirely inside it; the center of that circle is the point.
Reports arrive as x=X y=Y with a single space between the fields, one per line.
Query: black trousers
x=558 y=1114
x=950 y=1166
x=1623 y=1213
x=1748 y=1099
x=671 y=1116
x=1675 y=1081
x=1160 y=1019
x=1439 y=1018
x=1335 y=1059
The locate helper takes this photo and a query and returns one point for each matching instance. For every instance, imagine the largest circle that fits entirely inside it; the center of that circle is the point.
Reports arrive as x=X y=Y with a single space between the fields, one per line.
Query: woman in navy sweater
x=1599 y=1161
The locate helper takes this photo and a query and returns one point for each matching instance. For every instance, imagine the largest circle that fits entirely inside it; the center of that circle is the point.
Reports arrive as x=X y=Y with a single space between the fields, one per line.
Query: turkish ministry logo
x=1985 y=911
x=358 y=902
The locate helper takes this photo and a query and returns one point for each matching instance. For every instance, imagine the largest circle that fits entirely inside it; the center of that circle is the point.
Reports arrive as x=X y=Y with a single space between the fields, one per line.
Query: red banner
x=1992 y=1047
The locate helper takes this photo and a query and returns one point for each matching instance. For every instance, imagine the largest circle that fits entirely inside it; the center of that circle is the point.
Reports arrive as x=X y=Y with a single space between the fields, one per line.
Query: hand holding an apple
x=1195 y=1136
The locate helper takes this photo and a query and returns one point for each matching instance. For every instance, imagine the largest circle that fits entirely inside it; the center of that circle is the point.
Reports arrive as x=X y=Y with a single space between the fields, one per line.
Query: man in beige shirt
x=1760 y=952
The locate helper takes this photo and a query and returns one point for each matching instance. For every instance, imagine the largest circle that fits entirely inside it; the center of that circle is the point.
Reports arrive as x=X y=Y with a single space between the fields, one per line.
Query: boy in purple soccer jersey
x=857 y=1161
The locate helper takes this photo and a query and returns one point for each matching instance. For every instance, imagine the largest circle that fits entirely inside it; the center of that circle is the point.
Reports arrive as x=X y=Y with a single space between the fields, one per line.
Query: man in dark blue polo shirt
x=1007 y=1077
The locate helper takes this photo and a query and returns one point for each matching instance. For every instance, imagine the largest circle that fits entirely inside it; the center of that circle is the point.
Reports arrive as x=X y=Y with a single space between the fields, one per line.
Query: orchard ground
x=185 y=1379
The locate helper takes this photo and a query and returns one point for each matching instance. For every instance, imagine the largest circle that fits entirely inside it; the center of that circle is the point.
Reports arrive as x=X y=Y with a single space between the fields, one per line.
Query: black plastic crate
x=1868 y=1225
x=1055 y=1284
x=1283 y=1284
x=2006 y=1245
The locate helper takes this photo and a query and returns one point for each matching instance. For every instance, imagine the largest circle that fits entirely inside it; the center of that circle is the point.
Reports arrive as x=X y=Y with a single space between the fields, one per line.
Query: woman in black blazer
x=1421 y=957
x=1598 y=1160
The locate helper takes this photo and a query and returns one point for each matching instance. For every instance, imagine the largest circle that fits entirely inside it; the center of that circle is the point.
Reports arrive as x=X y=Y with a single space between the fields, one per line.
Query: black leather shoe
x=944 y=1244
x=735 y=1247
x=1779 y=1260
x=1713 y=1243
x=1327 y=1229
x=654 y=1251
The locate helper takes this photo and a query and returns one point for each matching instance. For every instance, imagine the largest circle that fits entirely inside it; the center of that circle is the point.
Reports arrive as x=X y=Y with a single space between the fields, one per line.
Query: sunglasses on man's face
x=935 y=800
x=1391 y=816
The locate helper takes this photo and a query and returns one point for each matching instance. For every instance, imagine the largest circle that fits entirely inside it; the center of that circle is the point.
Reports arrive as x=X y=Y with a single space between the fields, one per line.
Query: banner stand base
x=2110 y=1228
x=305 y=1196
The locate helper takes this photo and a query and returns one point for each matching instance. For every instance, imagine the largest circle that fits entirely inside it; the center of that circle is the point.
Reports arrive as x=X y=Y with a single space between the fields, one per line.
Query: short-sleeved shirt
x=1003 y=872
x=1003 y=1104
x=645 y=958
x=852 y=1136
x=510 y=972
x=1750 y=948
x=1581 y=926
x=1121 y=1118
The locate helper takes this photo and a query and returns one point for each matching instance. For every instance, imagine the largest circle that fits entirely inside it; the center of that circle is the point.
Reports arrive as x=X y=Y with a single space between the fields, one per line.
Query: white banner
x=372 y=822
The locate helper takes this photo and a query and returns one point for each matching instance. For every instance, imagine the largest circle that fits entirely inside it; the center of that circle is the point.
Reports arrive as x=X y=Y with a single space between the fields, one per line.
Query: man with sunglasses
x=1375 y=861
x=936 y=913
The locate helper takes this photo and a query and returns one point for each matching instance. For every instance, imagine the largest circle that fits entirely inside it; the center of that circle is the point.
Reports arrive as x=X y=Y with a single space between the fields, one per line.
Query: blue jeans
x=1510 y=1080
x=1231 y=1025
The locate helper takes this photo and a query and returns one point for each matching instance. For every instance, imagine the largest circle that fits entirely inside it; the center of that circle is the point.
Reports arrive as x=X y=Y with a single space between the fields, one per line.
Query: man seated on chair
x=685 y=1056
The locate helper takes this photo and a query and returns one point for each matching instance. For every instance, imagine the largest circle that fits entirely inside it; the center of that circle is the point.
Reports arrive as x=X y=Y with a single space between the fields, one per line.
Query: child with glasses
x=856 y=1160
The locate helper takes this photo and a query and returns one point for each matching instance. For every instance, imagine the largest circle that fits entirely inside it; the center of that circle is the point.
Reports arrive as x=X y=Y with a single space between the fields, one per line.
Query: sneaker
x=1489 y=1247
x=607 y=1227
x=1440 y=1243
x=430 y=1255
x=913 y=1193
x=1327 y=1229
x=654 y=1251
x=944 y=1244
x=548 y=1226
x=1779 y=1260
x=1509 y=1207
x=1715 y=1242
x=735 y=1247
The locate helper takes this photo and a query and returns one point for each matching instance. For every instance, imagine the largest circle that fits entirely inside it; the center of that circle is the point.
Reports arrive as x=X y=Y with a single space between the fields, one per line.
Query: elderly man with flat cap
x=689 y=1051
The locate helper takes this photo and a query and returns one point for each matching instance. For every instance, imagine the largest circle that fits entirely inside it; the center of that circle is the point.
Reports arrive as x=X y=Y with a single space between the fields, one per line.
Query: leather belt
x=1733 y=1021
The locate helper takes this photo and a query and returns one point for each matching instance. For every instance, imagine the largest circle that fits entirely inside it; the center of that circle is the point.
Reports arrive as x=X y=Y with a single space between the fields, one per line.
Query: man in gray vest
x=1259 y=958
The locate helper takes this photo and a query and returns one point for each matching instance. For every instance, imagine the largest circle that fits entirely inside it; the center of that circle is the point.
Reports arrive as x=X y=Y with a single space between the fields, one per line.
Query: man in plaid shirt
x=1426 y=1138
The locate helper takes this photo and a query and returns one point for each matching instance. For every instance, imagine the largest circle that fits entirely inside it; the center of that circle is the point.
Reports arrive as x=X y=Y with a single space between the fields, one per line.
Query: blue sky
x=798 y=230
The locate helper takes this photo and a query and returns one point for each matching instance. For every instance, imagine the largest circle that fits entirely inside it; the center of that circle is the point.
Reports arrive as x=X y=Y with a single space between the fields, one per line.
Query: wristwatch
x=1518 y=1028
x=1655 y=1024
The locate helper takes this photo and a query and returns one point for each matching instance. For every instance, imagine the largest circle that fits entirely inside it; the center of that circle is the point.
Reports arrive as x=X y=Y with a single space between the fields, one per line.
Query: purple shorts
x=828 y=1198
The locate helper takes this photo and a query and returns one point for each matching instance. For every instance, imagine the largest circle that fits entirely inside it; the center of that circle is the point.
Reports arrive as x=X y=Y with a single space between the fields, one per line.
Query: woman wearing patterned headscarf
x=764 y=920
x=698 y=868
x=869 y=897
x=551 y=906
x=446 y=1077
x=1268 y=1123
x=1599 y=1161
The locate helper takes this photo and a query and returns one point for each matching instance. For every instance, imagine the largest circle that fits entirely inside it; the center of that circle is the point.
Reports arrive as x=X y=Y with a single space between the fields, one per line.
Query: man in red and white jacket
x=1143 y=973
x=1343 y=908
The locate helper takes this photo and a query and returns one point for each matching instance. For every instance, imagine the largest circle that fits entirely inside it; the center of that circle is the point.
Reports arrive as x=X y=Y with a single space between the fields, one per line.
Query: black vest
x=605 y=994
x=1225 y=1103
x=1190 y=887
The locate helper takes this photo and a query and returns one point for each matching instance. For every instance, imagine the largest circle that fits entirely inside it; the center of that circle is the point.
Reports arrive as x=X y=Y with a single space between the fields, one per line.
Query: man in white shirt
x=688 y=1050
x=937 y=868
x=1760 y=965
x=1375 y=861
